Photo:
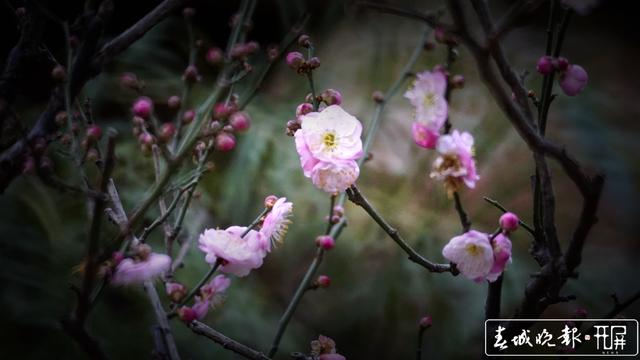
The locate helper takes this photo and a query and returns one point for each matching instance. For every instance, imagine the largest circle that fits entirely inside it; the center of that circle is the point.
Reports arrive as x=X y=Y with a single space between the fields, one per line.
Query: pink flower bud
x=191 y=74
x=145 y=138
x=188 y=116
x=440 y=35
x=225 y=142
x=187 y=314
x=167 y=130
x=326 y=242
x=426 y=322
x=61 y=118
x=174 y=102
x=573 y=80
x=92 y=155
x=214 y=56
x=240 y=121
x=94 y=132
x=331 y=97
x=29 y=165
x=251 y=47
x=323 y=281
x=304 y=109
x=545 y=65
x=423 y=136
x=338 y=210
x=314 y=63
x=509 y=222
x=176 y=291
x=561 y=64
x=222 y=110
x=273 y=52
x=270 y=200
x=304 y=40
x=143 y=107
x=117 y=257
x=295 y=60
x=46 y=165
x=130 y=80
x=228 y=128
x=292 y=127
x=215 y=126
x=457 y=81
x=378 y=96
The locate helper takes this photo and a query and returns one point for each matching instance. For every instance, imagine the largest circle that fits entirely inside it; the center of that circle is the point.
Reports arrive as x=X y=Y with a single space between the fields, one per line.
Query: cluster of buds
x=336 y=214
x=226 y=120
x=573 y=78
x=326 y=242
x=130 y=81
x=297 y=61
x=142 y=110
x=326 y=98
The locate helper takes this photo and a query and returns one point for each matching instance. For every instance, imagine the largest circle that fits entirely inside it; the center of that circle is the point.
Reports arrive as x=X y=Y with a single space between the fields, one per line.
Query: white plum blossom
x=455 y=165
x=427 y=95
x=237 y=255
x=472 y=253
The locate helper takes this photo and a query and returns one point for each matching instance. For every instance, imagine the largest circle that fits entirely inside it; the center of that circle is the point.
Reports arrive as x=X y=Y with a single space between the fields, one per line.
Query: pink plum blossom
x=276 y=222
x=501 y=256
x=472 y=253
x=130 y=271
x=509 y=222
x=427 y=95
x=455 y=165
x=238 y=255
x=328 y=143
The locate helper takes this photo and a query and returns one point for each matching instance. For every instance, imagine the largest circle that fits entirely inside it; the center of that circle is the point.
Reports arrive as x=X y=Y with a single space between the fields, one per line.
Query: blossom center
x=330 y=140
x=473 y=250
x=429 y=100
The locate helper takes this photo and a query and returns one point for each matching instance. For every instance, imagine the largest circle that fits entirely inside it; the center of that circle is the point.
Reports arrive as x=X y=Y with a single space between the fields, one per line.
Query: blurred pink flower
x=501 y=256
x=216 y=286
x=472 y=253
x=455 y=165
x=276 y=222
x=423 y=136
x=427 y=95
x=130 y=271
x=238 y=255
x=573 y=80
x=328 y=144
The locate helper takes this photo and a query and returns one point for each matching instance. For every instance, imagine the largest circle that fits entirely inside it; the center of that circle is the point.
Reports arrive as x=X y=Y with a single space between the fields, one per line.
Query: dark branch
x=226 y=342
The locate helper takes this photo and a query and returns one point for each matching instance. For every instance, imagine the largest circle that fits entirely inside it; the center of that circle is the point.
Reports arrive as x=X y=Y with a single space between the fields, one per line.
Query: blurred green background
x=376 y=297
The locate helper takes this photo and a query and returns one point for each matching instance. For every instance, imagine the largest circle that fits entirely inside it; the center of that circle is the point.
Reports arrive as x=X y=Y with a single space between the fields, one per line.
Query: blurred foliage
x=376 y=297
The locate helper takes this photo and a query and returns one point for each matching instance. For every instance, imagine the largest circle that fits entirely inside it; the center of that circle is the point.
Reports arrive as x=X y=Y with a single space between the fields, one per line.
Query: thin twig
x=504 y=210
x=226 y=342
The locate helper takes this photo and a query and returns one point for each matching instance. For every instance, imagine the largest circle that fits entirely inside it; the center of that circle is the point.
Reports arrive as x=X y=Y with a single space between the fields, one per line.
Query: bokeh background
x=376 y=297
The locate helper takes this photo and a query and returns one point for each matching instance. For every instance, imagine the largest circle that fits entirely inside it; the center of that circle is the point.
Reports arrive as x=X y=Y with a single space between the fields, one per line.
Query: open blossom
x=455 y=165
x=130 y=271
x=472 y=253
x=210 y=297
x=427 y=95
x=501 y=256
x=238 y=255
x=276 y=222
x=329 y=144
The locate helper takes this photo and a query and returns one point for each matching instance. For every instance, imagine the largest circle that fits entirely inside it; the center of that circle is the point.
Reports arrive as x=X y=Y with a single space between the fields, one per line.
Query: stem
x=357 y=198
x=256 y=221
x=494 y=295
x=201 y=283
x=504 y=210
x=226 y=342
x=168 y=342
x=300 y=291
x=421 y=331
x=464 y=218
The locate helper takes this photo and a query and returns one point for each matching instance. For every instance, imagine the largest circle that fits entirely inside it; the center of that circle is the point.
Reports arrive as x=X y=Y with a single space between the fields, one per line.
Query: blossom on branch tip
x=455 y=165
x=501 y=256
x=573 y=80
x=276 y=222
x=328 y=143
x=427 y=95
x=237 y=255
x=509 y=222
x=472 y=253
x=134 y=271
x=143 y=107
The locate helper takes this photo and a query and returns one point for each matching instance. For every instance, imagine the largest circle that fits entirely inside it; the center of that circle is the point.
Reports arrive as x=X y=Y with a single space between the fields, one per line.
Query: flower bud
x=29 y=165
x=174 y=102
x=46 y=165
x=191 y=74
x=117 y=257
x=269 y=201
x=214 y=56
x=509 y=222
x=94 y=133
x=335 y=219
x=295 y=60
x=325 y=241
x=426 y=322
x=228 y=128
x=188 y=116
x=92 y=155
x=187 y=314
x=143 y=107
x=313 y=63
x=215 y=126
x=225 y=142
x=131 y=81
x=273 y=52
x=240 y=121
x=338 y=210
x=561 y=64
x=323 y=281
x=378 y=96
x=251 y=47
x=440 y=35
x=58 y=73
x=143 y=251
x=304 y=109
x=61 y=118
x=331 y=97
x=304 y=40
x=573 y=80
x=222 y=110
x=145 y=138
x=457 y=81
x=176 y=291
x=167 y=130
x=545 y=65
x=292 y=127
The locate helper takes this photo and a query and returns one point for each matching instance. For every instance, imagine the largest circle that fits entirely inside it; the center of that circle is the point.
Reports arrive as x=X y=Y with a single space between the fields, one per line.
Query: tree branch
x=226 y=342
